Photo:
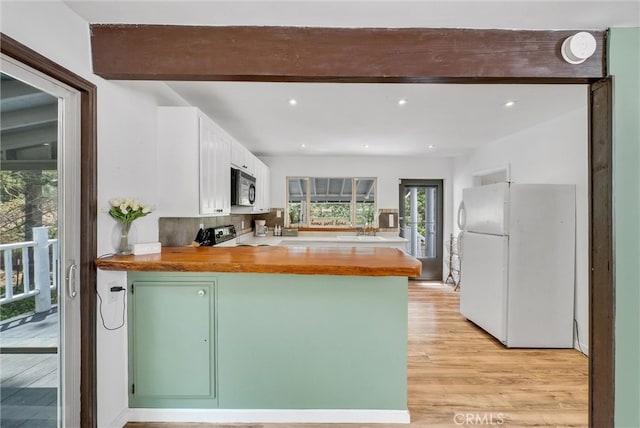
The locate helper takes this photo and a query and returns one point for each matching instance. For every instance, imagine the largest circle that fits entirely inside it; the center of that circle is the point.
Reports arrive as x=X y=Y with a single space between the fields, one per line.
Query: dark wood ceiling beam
x=169 y=52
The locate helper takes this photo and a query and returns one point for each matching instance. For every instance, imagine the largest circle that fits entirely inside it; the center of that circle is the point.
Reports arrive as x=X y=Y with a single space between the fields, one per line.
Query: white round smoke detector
x=577 y=48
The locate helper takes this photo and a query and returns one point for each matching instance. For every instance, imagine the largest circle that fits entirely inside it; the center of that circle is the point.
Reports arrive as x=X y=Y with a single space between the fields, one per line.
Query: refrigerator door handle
x=462 y=216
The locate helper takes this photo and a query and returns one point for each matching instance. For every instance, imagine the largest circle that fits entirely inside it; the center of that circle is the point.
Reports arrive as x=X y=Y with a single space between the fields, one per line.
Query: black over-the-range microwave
x=243 y=188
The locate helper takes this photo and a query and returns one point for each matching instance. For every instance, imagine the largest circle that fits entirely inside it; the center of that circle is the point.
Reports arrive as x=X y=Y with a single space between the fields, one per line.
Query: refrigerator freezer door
x=483 y=289
x=486 y=209
x=541 y=266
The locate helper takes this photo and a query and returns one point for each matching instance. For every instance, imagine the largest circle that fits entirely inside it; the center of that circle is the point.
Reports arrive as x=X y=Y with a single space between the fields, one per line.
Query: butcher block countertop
x=368 y=261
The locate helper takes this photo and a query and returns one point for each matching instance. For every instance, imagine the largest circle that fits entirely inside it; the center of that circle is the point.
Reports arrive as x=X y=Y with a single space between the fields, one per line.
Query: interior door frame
x=601 y=259
x=384 y=55
x=88 y=215
x=439 y=184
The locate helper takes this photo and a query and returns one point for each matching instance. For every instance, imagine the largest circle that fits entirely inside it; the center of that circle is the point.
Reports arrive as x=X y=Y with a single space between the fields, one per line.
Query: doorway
x=40 y=249
x=421 y=218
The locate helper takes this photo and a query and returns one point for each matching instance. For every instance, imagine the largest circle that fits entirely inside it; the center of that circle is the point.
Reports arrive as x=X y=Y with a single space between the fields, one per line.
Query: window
x=330 y=202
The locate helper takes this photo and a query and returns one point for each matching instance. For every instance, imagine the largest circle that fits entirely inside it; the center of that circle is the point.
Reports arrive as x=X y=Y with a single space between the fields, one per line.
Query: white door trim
x=68 y=230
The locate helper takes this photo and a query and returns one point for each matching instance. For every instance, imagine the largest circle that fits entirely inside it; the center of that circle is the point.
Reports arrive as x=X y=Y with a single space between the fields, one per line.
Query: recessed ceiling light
x=366 y=146
x=430 y=146
x=510 y=103
x=302 y=146
x=293 y=102
x=402 y=101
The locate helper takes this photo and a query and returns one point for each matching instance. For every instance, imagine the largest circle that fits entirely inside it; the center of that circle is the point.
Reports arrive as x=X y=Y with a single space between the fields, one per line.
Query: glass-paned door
x=421 y=204
x=39 y=326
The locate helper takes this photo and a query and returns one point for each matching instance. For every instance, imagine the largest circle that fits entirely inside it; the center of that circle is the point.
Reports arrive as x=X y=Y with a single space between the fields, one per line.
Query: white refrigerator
x=517 y=253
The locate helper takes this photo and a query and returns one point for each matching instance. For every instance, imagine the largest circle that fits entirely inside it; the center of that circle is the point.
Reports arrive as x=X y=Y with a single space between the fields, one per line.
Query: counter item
x=261 y=228
x=214 y=235
x=517 y=254
x=289 y=232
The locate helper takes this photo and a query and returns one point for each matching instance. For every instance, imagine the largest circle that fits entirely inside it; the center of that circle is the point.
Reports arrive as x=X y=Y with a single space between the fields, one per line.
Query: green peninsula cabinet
x=268 y=341
x=268 y=334
x=172 y=352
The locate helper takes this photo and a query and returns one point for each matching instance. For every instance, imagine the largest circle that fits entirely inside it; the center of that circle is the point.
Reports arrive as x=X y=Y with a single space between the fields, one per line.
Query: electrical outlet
x=242 y=224
x=113 y=297
x=278 y=213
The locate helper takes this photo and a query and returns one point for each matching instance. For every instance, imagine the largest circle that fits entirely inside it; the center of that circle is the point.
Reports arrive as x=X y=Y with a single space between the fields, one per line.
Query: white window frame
x=305 y=216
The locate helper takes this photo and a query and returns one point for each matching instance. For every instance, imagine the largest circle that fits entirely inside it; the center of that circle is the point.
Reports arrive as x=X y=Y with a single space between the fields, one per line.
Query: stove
x=215 y=235
x=223 y=234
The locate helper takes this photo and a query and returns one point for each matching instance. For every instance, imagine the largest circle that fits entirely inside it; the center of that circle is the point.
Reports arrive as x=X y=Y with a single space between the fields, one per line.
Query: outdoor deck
x=29 y=370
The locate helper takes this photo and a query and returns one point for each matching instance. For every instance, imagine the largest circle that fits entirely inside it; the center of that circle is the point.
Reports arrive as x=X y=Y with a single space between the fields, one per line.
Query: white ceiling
x=344 y=118
x=341 y=119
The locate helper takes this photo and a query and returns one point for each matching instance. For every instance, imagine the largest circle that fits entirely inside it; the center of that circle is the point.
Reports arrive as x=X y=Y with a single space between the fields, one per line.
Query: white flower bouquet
x=127 y=210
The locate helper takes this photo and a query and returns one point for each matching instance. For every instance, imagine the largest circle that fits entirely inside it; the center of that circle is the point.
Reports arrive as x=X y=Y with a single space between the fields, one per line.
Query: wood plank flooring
x=461 y=376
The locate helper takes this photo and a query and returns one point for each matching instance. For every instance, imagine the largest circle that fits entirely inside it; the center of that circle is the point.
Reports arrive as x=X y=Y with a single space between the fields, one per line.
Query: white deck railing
x=45 y=269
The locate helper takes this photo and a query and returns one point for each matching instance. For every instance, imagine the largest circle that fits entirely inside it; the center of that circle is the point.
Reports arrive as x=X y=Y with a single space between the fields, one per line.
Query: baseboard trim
x=121 y=420
x=270 y=416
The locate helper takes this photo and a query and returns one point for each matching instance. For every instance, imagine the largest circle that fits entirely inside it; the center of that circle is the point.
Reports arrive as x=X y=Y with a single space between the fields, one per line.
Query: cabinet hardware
x=201 y=293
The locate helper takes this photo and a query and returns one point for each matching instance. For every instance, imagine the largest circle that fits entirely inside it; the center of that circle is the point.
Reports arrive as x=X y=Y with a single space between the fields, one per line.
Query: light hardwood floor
x=457 y=371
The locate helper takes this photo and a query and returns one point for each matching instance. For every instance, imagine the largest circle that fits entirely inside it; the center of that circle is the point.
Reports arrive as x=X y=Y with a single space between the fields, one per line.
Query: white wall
x=388 y=170
x=126 y=165
x=552 y=152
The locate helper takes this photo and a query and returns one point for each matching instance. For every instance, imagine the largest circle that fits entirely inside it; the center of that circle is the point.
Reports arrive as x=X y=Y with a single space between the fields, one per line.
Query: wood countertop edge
x=177 y=260
x=257 y=268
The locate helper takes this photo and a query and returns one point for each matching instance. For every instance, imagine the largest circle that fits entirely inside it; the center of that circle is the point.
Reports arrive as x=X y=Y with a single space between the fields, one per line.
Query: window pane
x=420 y=220
x=330 y=202
x=297 y=201
x=365 y=201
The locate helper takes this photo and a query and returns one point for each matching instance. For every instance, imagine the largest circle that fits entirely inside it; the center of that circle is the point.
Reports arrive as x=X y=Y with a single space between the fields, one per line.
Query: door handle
x=462 y=216
x=70 y=278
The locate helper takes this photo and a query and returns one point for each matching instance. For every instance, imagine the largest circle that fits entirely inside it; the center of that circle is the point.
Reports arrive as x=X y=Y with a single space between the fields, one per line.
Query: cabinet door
x=266 y=188
x=237 y=155
x=242 y=158
x=207 y=169
x=171 y=344
x=262 y=186
x=222 y=191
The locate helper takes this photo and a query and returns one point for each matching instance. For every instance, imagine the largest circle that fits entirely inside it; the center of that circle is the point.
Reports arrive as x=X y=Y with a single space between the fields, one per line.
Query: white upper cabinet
x=215 y=177
x=263 y=183
x=242 y=158
x=193 y=164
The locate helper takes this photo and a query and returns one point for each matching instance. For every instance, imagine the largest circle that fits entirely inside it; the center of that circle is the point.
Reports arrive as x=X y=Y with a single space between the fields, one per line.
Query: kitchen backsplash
x=272 y=218
x=179 y=231
x=388 y=219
